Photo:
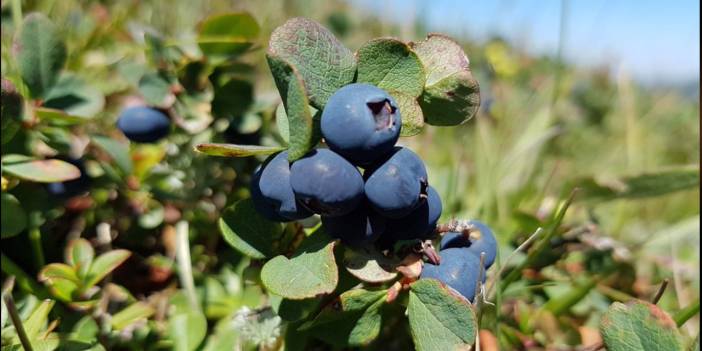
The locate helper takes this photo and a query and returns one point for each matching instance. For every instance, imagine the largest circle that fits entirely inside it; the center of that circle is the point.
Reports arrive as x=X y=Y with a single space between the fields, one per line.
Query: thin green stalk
x=35 y=240
x=686 y=313
x=17 y=322
x=185 y=272
x=540 y=245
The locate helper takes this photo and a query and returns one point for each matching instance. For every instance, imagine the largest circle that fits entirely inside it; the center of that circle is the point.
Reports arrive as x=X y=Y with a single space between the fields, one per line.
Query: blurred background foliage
x=544 y=126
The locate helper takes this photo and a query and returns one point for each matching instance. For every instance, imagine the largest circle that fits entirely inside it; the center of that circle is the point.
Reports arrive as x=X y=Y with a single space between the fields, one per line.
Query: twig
x=660 y=292
x=17 y=322
x=504 y=266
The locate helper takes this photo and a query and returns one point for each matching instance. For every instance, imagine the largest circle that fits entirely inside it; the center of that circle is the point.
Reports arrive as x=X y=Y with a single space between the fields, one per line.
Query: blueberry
x=421 y=222
x=73 y=187
x=398 y=185
x=361 y=226
x=458 y=269
x=326 y=183
x=143 y=124
x=361 y=122
x=271 y=192
x=481 y=240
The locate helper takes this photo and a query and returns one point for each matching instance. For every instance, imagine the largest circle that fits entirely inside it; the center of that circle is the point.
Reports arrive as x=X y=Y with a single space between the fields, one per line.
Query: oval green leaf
x=234 y=150
x=78 y=100
x=14 y=219
x=412 y=116
x=323 y=63
x=302 y=126
x=369 y=266
x=43 y=171
x=391 y=65
x=639 y=325
x=311 y=271
x=227 y=34
x=117 y=150
x=248 y=231
x=451 y=94
x=439 y=320
x=104 y=265
x=41 y=54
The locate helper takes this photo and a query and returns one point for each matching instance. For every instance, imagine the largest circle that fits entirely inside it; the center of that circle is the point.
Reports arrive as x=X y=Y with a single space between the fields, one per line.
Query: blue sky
x=654 y=41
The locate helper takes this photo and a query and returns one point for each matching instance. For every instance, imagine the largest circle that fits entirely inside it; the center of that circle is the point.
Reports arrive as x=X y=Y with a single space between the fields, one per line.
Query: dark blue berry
x=361 y=122
x=326 y=183
x=143 y=124
x=397 y=186
x=481 y=239
x=272 y=193
x=459 y=270
x=360 y=227
x=420 y=223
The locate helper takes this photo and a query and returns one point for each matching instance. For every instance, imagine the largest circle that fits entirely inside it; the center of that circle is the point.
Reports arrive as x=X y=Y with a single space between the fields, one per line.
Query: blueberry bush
x=188 y=177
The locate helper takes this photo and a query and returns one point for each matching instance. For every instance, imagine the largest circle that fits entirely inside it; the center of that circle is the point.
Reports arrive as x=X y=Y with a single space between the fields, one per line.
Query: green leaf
x=55 y=271
x=412 y=116
x=369 y=266
x=439 y=320
x=41 y=54
x=248 y=231
x=14 y=219
x=311 y=271
x=156 y=90
x=639 y=325
x=117 y=150
x=11 y=110
x=76 y=98
x=227 y=34
x=451 y=94
x=281 y=121
x=132 y=314
x=187 y=330
x=80 y=254
x=301 y=124
x=232 y=99
x=639 y=186
x=105 y=264
x=38 y=319
x=42 y=171
x=55 y=115
x=391 y=65
x=233 y=150
x=355 y=321
x=323 y=63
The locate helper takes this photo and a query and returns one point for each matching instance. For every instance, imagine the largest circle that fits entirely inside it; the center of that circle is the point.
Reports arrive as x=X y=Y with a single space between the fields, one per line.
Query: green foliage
x=41 y=54
x=639 y=326
x=439 y=319
x=248 y=231
x=235 y=280
x=309 y=272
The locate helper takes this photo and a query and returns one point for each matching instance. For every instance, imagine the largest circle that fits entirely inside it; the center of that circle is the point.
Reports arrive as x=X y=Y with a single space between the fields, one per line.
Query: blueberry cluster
x=460 y=258
x=390 y=200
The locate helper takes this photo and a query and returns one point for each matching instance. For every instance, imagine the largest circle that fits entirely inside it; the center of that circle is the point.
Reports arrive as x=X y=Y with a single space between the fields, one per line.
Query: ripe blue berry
x=361 y=122
x=143 y=124
x=361 y=226
x=326 y=183
x=481 y=239
x=421 y=222
x=458 y=269
x=397 y=186
x=271 y=192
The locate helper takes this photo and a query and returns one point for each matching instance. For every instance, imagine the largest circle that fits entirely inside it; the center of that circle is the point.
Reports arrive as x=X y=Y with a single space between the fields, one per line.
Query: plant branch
x=17 y=322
